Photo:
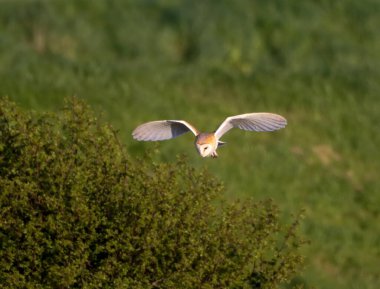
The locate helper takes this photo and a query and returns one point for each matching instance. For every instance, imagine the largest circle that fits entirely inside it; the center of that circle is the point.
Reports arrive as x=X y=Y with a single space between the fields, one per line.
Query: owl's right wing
x=162 y=130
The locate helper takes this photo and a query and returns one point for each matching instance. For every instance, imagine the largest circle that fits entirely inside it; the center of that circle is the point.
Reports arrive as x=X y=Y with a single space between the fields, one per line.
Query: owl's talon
x=214 y=155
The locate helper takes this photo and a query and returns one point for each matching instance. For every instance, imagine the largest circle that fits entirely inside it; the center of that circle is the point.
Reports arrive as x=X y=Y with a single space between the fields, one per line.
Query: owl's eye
x=205 y=148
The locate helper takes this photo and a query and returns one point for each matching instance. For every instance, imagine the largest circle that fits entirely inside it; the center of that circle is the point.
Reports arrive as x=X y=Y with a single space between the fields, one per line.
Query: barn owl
x=207 y=143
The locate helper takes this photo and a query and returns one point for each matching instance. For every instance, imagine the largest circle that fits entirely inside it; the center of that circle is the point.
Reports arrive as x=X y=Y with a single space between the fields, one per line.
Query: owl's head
x=205 y=149
x=205 y=144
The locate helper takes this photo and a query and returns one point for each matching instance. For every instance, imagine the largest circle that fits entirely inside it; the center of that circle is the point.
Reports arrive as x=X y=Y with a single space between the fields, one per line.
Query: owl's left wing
x=162 y=130
x=259 y=121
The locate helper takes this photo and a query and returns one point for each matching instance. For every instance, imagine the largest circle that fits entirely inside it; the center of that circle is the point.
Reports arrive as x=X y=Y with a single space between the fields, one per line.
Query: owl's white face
x=204 y=150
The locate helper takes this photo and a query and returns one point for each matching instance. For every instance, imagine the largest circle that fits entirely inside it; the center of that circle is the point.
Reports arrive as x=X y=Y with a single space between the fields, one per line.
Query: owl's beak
x=201 y=152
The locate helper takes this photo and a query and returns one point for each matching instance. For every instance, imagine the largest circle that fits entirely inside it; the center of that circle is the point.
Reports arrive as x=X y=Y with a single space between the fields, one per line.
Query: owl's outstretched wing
x=162 y=130
x=260 y=121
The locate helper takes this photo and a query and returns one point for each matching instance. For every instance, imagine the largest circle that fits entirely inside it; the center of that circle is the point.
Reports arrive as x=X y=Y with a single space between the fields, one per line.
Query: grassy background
x=315 y=62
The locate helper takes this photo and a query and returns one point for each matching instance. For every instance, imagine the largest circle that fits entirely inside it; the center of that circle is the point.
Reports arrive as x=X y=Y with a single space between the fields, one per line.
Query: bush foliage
x=77 y=212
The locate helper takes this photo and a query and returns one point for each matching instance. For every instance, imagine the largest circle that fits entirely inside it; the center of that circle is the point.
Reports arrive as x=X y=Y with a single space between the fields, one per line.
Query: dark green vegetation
x=76 y=213
x=315 y=62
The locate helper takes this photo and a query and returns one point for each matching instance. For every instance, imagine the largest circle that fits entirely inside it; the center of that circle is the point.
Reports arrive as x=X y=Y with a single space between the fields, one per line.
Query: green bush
x=77 y=212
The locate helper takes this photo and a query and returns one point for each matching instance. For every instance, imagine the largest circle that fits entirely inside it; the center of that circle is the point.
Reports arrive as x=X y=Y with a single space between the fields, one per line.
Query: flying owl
x=207 y=143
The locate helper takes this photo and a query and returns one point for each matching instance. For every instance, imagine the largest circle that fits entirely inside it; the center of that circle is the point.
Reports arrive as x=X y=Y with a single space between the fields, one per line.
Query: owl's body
x=207 y=143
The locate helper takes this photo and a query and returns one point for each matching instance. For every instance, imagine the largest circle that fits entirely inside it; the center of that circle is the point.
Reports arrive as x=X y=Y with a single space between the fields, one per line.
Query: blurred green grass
x=315 y=62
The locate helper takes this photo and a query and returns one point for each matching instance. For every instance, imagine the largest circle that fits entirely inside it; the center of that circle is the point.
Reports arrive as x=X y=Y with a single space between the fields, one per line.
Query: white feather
x=162 y=130
x=259 y=121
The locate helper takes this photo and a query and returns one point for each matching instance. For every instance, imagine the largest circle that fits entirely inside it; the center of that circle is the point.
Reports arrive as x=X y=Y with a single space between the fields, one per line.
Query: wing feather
x=259 y=121
x=162 y=130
